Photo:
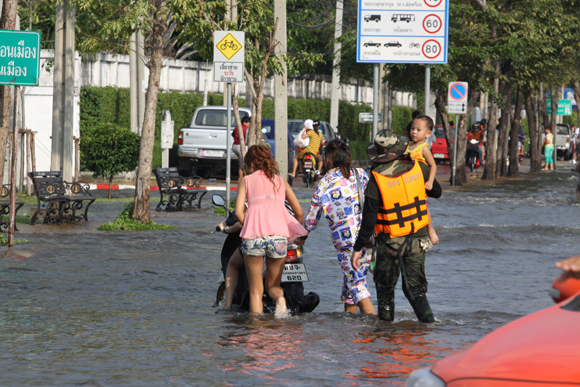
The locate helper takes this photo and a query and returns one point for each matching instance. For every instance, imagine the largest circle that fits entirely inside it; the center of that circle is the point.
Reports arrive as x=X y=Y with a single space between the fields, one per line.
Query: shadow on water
x=135 y=308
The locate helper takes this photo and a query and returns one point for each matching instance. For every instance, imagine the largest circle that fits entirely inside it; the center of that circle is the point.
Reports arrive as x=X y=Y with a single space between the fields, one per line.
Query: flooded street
x=89 y=308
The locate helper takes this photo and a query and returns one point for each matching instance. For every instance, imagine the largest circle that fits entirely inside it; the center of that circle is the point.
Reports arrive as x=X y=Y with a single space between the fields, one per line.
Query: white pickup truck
x=202 y=146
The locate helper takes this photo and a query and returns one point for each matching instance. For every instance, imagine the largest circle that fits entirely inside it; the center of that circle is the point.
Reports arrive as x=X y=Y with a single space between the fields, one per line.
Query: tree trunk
x=502 y=145
x=236 y=106
x=110 y=184
x=441 y=106
x=7 y=22
x=142 y=185
x=514 y=167
x=491 y=140
x=543 y=110
x=535 y=157
x=461 y=138
x=553 y=117
x=577 y=95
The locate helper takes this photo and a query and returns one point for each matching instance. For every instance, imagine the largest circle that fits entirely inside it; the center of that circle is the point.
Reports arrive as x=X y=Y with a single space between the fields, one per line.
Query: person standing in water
x=337 y=197
x=267 y=226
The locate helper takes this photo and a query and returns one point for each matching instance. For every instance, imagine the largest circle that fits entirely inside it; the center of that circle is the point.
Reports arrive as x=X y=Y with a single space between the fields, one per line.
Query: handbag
x=301 y=142
x=370 y=244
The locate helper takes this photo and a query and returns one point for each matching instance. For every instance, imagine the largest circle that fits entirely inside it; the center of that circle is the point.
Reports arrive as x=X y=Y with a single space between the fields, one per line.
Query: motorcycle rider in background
x=477 y=134
x=313 y=147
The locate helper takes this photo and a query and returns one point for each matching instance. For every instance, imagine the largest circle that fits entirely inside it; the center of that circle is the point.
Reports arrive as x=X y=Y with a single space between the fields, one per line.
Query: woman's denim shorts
x=270 y=246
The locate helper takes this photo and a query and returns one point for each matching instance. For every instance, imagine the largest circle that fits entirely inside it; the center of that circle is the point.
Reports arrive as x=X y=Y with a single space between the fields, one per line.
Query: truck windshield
x=215 y=118
x=563 y=130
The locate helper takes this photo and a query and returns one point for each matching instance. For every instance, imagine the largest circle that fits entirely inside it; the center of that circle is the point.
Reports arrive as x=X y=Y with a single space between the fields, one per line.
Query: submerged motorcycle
x=293 y=276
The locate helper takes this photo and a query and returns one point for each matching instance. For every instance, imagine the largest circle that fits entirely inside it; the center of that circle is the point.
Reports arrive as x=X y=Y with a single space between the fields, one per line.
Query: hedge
x=112 y=105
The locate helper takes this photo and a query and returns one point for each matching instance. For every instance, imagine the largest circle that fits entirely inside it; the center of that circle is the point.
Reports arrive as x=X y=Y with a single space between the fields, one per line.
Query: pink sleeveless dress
x=266 y=214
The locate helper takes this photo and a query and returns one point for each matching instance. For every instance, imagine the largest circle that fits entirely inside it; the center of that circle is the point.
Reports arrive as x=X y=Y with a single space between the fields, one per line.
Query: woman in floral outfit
x=337 y=197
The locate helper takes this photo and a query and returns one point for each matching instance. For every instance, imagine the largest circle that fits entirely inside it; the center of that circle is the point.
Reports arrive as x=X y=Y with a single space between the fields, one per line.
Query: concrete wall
x=190 y=76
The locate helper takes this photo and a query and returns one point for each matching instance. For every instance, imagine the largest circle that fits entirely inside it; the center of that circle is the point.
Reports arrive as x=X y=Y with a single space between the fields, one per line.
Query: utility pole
x=231 y=15
x=335 y=91
x=376 y=84
x=137 y=75
x=281 y=91
x=62 y=152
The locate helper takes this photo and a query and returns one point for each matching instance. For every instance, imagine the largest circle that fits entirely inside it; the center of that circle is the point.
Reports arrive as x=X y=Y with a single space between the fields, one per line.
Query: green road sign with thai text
x=19 y=58
x=564 y=107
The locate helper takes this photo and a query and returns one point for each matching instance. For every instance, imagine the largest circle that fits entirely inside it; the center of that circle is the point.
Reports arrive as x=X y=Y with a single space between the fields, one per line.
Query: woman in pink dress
x=267 y=225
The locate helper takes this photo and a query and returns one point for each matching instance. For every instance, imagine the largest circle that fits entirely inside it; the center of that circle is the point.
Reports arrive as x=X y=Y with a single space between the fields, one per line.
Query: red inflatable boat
x=541 y=349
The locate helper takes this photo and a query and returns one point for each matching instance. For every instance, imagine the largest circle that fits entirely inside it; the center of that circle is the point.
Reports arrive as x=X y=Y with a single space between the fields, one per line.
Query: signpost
x=228 y=66
x=456 y=103
x=564 y=107
x=19 y=66
x=167 y=133
x=395 y=31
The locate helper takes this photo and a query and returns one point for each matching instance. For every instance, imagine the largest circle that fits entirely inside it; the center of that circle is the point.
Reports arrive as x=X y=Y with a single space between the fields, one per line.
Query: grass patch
x=121 y=200
x=220 y=211
x=125 y=221
x=4 y=240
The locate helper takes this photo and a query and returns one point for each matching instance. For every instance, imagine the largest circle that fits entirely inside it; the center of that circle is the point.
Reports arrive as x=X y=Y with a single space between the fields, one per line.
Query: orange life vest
x=404 y=208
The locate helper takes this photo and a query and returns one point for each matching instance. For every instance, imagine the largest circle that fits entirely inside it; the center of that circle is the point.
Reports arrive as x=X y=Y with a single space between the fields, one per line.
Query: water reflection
x=400 y=348
x=268 y=346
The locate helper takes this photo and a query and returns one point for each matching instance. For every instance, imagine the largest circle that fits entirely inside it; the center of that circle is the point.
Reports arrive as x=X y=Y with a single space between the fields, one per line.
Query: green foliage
x=108 y=149
x=101 y=105
x=126 y=222
x=4 y=240
x=111 y=105
x=220 y=211
x=358 y=149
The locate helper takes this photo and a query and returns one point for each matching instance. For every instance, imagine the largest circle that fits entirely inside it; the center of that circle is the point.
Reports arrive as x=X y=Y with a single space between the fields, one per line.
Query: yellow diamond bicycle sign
x=229 y=46
x=228 y=56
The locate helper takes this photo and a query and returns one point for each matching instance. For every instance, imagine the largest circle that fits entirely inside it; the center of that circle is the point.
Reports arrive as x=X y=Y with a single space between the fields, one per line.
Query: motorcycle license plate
x=439 y=155
x=294 y=272
x=308 y=164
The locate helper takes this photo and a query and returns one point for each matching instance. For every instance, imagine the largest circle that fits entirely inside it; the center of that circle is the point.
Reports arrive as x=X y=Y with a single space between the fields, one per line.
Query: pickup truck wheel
x=567 y=155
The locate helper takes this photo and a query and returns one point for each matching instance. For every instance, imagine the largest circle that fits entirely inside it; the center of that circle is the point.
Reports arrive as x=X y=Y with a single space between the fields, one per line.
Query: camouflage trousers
x=388 y=269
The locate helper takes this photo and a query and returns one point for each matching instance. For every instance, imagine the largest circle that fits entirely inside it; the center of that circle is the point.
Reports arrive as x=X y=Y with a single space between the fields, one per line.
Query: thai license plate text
x=294 y=272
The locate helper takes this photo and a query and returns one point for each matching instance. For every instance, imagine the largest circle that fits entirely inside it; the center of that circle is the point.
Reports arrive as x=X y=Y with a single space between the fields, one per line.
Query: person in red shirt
x=476 y=133
x=236 y=147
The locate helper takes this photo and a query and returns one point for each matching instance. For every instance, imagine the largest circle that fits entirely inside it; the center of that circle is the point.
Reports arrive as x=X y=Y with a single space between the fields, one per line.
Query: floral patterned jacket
x=338 y=199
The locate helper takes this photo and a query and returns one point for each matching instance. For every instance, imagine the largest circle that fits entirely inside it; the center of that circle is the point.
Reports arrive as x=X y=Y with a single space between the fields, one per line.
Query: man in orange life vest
x=396 y=210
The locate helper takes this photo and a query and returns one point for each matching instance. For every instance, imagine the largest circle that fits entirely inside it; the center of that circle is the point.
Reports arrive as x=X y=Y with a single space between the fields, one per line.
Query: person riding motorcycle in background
x=313 y=147
x=318 y=156
x=477 y=134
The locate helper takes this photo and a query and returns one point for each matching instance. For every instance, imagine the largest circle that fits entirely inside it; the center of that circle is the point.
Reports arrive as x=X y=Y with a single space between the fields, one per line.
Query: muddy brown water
x=91 y=308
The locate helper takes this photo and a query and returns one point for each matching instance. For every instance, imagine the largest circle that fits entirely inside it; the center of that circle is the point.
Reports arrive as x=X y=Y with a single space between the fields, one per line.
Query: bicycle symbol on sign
x=229 y=44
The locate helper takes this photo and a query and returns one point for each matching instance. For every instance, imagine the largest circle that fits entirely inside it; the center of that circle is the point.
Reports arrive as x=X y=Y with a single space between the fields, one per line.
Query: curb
x=155 y=188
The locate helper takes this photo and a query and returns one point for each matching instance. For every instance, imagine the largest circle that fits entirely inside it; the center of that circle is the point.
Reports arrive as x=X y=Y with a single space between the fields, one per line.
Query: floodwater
x=89 y=308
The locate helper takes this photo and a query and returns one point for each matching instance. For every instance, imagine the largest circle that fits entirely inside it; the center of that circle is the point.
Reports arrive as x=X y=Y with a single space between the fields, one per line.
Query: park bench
x=54 y=205
x=5 y=207
x=175 y=192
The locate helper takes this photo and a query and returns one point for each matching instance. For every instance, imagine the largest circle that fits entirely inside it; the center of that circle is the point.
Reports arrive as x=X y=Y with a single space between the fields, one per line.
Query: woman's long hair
x=337 y=155
x=260 y=158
